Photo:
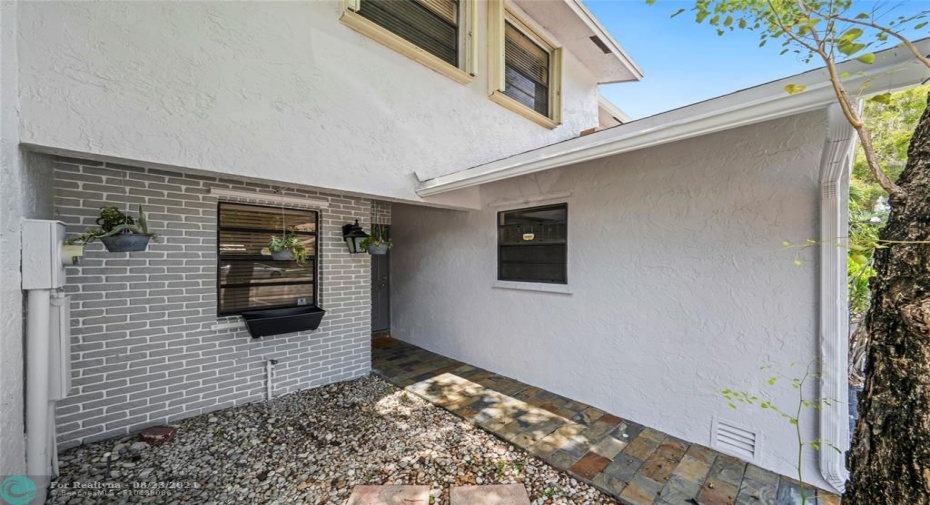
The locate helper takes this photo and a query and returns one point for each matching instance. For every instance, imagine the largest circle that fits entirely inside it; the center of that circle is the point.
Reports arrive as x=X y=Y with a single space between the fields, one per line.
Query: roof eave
x=613 y=110
x=588 y=18
x=894 y=69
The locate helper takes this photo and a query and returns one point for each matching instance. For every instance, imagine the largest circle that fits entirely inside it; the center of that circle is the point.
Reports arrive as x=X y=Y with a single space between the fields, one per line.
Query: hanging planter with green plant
x=288 y=247
x=377 y=243
x=118 y=231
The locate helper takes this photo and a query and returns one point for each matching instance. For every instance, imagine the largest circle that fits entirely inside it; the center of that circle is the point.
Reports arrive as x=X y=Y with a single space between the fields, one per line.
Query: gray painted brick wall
x=147 y=345
x=380 y=212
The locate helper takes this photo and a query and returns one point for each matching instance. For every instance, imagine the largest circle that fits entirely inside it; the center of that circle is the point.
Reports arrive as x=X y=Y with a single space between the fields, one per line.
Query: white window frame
x=498 y=15
x=462 y=74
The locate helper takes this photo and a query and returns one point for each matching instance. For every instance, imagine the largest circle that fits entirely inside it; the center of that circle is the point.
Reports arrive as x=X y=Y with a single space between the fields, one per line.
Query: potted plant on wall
x=288 y=247
x=378 y=242
x=118 y=231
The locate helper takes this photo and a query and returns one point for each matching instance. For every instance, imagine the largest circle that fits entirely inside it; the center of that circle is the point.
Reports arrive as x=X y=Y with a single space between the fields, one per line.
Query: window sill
x=231 y=323
x=518 y=108
x=563 y=289
x=385 y=37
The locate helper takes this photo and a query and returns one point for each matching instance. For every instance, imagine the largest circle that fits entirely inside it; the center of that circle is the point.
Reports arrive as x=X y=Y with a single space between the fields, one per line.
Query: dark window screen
x=247 y=279
x=526 y=70
x=532 y=244
x=431 y=25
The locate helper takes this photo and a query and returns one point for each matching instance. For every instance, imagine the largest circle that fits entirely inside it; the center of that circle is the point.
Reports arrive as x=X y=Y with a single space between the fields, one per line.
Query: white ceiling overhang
x=578 y=31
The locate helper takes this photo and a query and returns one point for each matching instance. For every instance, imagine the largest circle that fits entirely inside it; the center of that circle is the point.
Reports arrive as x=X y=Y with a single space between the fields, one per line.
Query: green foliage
x=377 y=238
x=111 y=217
x=891 y=118
x=290 y=241
x=792 y=416
x=553 y=491
x=113 y=221
x=505 y=468
x=804 y=27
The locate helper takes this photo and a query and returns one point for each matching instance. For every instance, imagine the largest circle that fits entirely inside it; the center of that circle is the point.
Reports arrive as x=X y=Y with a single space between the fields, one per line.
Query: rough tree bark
x=890 y=457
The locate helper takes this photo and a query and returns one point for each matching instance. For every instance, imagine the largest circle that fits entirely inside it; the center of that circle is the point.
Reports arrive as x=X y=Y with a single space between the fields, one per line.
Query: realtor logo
x=17 y=490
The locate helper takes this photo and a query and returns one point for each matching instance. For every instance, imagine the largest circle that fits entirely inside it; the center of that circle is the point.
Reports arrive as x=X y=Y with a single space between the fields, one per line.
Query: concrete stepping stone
x=497 y=494
x=389 y=495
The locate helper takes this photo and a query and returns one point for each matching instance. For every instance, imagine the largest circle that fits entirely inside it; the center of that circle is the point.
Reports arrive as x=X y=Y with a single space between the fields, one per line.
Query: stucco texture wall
x=680 y=283
x=277 y=90
x=25 y=192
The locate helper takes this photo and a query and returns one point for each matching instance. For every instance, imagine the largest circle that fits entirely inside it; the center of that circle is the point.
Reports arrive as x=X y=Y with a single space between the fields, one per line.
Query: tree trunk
x=890 y=456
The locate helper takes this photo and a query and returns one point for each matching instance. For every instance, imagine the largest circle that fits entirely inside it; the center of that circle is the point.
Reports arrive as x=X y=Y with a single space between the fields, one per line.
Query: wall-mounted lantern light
x=354 y=235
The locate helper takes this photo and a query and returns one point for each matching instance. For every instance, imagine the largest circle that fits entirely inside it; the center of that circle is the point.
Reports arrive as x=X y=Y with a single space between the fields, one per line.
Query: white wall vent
x=736 y=440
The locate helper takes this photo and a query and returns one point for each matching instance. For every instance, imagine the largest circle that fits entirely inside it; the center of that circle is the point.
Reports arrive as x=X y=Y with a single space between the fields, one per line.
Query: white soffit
x=893 y=69
x=609 y=115
x=573 y=26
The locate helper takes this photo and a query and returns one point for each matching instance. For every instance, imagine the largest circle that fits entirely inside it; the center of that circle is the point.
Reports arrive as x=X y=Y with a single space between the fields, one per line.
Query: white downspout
x=37 y=373
x=838 y=152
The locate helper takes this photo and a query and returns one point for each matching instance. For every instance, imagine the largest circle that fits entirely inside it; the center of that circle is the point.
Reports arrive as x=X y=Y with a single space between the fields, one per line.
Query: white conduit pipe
x=269 y=372
x=37 y=371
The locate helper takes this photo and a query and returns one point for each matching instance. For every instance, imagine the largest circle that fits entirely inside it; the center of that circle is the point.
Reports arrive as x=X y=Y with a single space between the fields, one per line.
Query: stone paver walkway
x=389 y=495
x=495 y=494
x=636 y=464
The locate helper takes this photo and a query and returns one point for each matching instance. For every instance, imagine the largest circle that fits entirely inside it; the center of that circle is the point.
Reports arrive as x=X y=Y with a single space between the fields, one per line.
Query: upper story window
x=436 y=33
x=430 y=24
x=525 y=67
x=533 y=245
x=248 y=277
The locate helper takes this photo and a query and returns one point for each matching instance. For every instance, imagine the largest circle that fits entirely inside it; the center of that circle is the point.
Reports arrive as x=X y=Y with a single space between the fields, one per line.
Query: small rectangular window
x=248 y=277
x=526 y=70
x=524 y=66
x=533 y=245
x=429 y=24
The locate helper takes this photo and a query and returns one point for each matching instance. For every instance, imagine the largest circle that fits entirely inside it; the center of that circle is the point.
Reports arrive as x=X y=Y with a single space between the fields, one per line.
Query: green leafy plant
x=290 y=241
x=113 y=221
x=377 y=238
x=552 y=492
x=790 y=414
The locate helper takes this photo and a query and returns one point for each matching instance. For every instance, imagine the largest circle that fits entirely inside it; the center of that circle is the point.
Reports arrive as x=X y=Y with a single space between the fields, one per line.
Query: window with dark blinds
x=526 y=70
x=248 y=278
x=431 y=25
x=532 y=245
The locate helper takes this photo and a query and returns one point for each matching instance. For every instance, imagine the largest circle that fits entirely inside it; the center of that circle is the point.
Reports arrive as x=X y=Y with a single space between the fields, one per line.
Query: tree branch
x=855 y=121
x=904 y=40
x=784 y=28
x=846 y=105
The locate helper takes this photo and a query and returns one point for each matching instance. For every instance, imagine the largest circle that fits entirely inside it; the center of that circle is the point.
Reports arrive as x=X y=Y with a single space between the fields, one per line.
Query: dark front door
x=381 y=290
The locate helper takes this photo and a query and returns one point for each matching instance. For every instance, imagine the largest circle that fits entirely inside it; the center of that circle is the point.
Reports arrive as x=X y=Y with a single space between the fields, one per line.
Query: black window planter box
x=262 y=323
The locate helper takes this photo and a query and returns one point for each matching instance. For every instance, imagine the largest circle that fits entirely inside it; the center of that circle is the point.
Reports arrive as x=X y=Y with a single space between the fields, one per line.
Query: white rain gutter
x=894 y=68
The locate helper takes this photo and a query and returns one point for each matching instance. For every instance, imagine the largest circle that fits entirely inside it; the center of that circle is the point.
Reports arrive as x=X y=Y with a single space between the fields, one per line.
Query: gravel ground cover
x=309 y=447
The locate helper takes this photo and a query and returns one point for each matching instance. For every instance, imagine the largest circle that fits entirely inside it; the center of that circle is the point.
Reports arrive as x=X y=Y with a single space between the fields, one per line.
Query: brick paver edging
x=635 y=464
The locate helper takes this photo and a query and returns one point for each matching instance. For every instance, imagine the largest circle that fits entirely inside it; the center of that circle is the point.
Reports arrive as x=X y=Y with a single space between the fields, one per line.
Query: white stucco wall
x=25 y=192
x=12 y=444
x=277 y=90
x=681 y=285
